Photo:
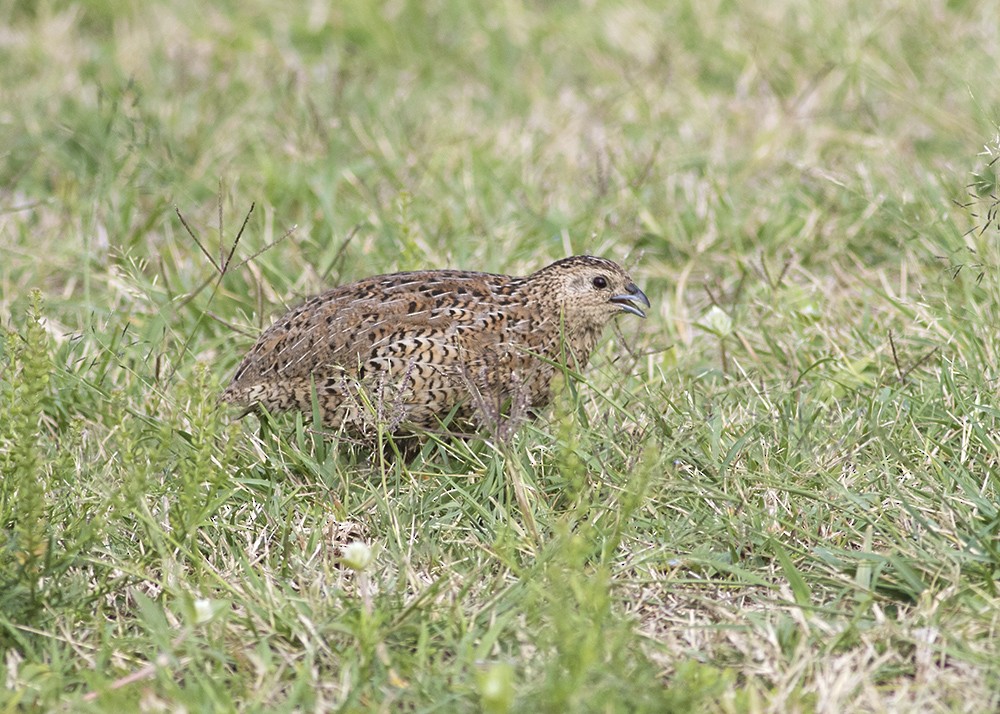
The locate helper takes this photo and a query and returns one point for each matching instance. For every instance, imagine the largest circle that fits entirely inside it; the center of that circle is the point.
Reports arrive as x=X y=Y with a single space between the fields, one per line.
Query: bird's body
x=412 y=350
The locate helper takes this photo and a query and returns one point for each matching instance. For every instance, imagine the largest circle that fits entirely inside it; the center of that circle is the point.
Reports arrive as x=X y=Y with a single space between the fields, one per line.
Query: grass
x=779 y=493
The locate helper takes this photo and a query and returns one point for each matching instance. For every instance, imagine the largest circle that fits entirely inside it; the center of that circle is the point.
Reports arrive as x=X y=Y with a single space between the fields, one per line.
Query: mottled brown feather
x=410 y=349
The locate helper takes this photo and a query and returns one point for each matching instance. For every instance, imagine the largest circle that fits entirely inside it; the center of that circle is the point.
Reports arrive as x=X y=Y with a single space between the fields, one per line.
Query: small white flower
x=203 y=610
x=356 y=555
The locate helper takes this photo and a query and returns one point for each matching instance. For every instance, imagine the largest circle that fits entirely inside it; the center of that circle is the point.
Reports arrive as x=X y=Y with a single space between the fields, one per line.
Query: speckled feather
x=412 y=349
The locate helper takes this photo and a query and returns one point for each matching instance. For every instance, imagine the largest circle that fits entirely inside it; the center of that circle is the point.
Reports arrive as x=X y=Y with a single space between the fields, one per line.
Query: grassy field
x=780 y=493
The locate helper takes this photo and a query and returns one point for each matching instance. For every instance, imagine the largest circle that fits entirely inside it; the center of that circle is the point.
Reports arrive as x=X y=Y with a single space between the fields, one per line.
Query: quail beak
x=631 y=300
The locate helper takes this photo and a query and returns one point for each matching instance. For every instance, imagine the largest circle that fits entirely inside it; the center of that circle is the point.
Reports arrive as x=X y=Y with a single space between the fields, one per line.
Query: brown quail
x=411 y=351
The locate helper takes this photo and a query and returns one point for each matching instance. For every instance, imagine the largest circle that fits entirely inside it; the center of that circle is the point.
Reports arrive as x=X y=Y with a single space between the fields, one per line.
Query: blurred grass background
x=779 y=493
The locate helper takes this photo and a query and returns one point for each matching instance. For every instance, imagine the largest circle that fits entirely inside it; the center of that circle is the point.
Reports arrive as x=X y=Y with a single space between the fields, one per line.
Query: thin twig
x=195 y=238
x=222 y=232
x=340 y=252
x=920 y=362
x=784 y=270
x=266 y=247
x=895 y=357
x=236 y=241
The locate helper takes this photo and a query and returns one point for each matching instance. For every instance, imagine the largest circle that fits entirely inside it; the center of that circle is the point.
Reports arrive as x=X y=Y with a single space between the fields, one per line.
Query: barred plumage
x=412 y=349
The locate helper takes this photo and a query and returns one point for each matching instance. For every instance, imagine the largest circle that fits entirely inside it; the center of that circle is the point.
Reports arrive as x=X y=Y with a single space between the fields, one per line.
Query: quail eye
x=600 y=282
